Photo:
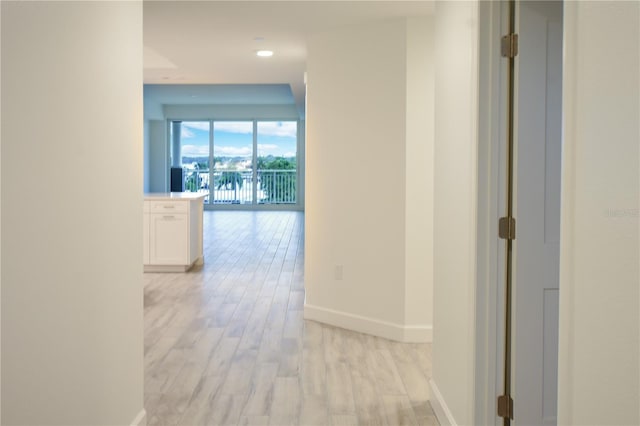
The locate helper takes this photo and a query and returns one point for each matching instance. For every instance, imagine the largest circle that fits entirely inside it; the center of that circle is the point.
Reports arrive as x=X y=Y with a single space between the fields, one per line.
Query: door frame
x=490 y=266
x=492 y=140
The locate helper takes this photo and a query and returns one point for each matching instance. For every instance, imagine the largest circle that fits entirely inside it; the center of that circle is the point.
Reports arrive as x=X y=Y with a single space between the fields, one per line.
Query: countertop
x=175 y=196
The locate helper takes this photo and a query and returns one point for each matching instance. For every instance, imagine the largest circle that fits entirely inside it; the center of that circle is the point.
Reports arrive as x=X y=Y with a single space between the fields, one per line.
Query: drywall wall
x=455 y=210
x=302 y=133
x=231 y=112
x=355 y=175
x=158 y=156
x=419 y=173
x=219 y=98
x=599 y=345
x=355 y=171
x=71 y=227
x=369 y=149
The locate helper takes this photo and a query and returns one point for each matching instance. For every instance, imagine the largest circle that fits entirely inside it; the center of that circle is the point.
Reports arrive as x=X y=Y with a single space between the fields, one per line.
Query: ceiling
x=214 y=42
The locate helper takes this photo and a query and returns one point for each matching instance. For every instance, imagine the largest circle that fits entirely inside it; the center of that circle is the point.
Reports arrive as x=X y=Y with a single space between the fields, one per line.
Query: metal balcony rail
x=236 y=186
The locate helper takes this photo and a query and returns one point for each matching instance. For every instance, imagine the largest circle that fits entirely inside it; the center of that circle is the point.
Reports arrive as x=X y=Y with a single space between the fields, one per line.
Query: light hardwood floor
x=226 y=343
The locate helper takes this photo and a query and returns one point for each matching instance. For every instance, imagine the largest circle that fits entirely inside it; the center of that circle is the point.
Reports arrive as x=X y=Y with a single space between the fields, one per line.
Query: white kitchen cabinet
x=173 y=231
x=146 y=259
x=169 y=239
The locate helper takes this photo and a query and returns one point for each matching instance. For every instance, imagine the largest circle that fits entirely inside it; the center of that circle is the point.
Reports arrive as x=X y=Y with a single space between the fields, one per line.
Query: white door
x=537 y=212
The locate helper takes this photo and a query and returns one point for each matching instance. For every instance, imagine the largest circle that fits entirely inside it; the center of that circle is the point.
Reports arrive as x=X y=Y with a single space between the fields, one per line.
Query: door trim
x=491 y=200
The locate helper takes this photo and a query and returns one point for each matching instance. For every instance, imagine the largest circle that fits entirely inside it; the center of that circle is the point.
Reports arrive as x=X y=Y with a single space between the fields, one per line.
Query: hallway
x=226 y=343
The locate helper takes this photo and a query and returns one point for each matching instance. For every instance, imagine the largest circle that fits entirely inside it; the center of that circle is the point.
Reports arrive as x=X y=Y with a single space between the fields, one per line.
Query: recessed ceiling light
x=264 y=53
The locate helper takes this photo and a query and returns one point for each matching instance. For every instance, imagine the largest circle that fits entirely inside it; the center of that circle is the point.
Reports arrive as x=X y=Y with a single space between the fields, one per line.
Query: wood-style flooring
x=226 y=343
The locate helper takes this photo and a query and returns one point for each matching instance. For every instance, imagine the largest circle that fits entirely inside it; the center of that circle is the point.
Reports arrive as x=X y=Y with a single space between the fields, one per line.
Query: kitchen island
x=172 y=231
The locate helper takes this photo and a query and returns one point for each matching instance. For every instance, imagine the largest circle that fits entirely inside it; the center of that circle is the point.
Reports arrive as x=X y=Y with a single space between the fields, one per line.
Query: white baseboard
x=166 y=268
x=440 y=408
x=388 y=330
x=141 y=419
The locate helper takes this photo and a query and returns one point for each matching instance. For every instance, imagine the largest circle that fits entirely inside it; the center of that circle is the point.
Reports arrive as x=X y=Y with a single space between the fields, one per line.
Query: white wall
x=355 y=173
x=369 y=179
x=419 y=172
x=455 y=210
x=71 y=226
x=302 y=134
x=599 y=338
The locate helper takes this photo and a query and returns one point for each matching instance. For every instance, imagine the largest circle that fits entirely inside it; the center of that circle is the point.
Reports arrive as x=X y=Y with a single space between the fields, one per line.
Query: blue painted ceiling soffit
x=219 y=94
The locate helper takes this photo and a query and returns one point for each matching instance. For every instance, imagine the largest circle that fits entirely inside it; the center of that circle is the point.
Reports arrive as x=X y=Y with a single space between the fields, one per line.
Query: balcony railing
x=236 y=187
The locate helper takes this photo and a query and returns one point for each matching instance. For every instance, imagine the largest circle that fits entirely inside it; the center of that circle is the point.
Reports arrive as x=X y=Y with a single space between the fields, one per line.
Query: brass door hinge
x=510 y=45
x=507 y=228
x=505 y=407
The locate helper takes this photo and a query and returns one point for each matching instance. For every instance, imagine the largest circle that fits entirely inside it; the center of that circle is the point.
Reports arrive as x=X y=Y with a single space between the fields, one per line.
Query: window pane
x=233 y=162
x=194 y=155
x=277 y=162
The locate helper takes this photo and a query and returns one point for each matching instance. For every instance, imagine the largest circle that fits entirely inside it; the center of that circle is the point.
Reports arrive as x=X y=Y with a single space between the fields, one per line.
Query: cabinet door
x=169 y=239
x=145 y=239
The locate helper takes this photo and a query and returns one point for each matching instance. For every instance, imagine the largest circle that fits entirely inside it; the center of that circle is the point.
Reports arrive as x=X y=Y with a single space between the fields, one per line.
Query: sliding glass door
x=195 y=142
x=233 y=162
x=277 y=165
x=247 y=163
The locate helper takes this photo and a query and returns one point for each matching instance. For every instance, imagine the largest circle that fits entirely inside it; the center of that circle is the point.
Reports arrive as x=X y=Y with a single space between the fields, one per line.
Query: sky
x=235 y=138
